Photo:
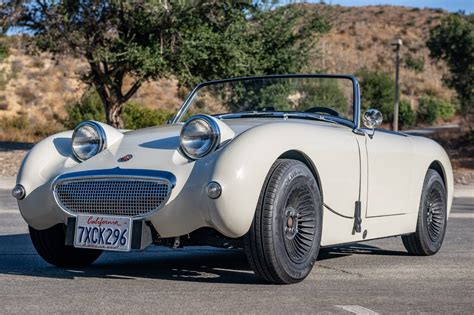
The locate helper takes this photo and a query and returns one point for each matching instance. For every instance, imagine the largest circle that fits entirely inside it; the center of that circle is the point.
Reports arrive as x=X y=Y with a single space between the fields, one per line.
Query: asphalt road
x=366 y=278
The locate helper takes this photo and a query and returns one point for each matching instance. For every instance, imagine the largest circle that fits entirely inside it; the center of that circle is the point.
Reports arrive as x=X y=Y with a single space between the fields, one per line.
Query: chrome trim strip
x=121 y=172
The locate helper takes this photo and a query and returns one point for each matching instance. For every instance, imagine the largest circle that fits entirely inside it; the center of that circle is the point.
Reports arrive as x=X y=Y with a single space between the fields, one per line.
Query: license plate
x=103 y=232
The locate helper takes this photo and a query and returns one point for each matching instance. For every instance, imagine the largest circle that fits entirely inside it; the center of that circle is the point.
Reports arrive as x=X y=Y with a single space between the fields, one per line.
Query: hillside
x=34 y=89
x=361 y=37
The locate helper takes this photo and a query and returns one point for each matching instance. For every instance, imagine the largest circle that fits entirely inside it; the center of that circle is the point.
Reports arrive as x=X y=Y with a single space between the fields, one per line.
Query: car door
x=389 y=173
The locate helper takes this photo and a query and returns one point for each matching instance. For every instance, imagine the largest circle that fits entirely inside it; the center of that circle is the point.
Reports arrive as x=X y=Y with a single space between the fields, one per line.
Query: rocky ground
x=11 y=155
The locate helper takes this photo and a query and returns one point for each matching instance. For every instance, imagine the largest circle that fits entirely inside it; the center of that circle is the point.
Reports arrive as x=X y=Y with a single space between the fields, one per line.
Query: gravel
x=11 y=156
x=10 y=162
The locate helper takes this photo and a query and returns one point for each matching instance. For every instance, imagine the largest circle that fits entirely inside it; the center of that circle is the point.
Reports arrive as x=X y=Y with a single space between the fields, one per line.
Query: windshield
x=317 y=97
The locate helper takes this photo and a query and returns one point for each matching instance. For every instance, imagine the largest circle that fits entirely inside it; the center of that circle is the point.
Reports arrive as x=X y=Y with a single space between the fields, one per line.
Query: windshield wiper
x=250 y=114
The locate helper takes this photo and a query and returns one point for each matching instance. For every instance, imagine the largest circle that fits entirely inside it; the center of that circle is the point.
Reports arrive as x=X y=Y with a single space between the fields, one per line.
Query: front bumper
x=182 y=210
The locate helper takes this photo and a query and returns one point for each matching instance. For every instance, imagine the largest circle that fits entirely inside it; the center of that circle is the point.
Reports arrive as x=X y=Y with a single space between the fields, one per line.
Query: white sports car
x=278 y=165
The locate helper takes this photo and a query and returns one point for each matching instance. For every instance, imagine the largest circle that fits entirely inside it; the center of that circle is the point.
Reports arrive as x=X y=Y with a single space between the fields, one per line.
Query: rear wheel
x=432 y=218
x=283 y=242
x=50 y=246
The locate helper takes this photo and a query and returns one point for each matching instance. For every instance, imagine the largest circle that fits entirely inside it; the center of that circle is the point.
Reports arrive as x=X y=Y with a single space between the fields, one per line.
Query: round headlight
x=200 y=136
x=88 y=140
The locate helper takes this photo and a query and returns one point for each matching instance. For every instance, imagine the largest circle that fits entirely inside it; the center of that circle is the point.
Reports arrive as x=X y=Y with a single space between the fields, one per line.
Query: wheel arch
x=305 y=159
x=437 y=166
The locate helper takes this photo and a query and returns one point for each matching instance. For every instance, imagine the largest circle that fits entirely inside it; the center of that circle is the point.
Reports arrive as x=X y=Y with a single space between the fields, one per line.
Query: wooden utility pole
x=397 y=43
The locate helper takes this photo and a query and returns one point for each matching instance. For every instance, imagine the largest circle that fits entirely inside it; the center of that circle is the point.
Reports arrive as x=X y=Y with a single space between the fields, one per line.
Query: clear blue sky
x=450 y=5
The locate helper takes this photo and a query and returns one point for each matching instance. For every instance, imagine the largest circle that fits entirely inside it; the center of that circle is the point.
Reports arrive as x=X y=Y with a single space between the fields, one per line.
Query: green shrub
x=377 y=91
x=136 y=116
x=15 y=122
x=26 y=94
x=88 y=108
x=4 y=79
x=324 y=92
x=415 y=64
x=431 y=109
x=406 y=115
x=37 y=63
x=4 y=50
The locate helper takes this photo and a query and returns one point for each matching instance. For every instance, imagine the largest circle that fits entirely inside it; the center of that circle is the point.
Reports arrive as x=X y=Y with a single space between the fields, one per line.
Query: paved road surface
x=376 y=276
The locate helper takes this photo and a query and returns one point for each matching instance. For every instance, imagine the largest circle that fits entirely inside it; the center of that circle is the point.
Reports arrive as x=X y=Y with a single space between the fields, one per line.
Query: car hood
x=167 y=136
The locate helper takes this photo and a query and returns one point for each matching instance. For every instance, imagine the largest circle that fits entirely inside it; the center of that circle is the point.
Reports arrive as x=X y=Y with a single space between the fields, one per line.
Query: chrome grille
x=112 y=196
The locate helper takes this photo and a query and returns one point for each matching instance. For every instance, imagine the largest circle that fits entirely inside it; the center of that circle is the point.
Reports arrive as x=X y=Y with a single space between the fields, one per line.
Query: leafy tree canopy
x=453 y=41
x=150 y=39
x=377 y=91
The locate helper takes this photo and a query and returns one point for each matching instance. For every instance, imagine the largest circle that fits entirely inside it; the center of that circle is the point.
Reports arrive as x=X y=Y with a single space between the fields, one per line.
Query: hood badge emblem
x=125 y=158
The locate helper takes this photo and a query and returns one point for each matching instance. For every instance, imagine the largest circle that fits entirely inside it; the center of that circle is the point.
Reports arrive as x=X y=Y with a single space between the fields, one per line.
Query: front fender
x=241 y=168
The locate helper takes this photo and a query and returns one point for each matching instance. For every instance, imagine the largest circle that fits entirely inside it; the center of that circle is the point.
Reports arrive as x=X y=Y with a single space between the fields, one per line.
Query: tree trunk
x=114 y=116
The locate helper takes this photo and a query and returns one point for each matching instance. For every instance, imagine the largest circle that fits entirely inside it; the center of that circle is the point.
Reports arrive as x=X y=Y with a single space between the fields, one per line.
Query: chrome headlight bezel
x=101 y=139
x=213 y=133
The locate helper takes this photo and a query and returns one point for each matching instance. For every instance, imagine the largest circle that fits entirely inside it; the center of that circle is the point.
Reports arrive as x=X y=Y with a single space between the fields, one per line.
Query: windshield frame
x=355 y=98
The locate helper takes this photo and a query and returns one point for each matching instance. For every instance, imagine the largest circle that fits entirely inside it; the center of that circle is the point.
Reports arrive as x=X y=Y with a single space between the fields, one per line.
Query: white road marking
x=462 y=215
x=357 y=309
x=9 y=211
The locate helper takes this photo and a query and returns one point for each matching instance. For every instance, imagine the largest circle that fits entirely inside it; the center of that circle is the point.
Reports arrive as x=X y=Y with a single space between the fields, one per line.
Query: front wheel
x=50 y=246
x=283 y=241
x=432 y=218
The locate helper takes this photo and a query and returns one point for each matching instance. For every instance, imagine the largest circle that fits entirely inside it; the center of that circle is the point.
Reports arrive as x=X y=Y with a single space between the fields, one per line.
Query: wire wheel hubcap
x=299 y=222
x=434 y=208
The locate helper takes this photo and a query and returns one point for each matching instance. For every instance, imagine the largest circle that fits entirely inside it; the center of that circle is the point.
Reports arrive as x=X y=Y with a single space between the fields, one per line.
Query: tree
x=453 y=42
x=150 y=39
x=377 y=90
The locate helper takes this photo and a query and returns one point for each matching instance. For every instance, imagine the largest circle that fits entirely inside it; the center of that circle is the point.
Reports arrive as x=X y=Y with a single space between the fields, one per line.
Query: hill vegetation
x=36 y=89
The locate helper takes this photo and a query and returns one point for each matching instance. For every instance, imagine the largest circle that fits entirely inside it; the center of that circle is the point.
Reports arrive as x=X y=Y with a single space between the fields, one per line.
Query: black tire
x=432 y=218
x=50 y=246
x=283 y=241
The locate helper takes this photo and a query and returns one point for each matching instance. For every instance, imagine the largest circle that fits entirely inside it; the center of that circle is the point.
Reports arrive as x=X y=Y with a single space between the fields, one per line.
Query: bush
x=415 y=64
x=430 y=109
x=15 y=122
x=406 y=115
x=136 y=116
x=4 y=50
x=4 y=79
x=37 y=62
x=377 y=90
x=324 y=92
x=16 y=67
x=88 y=108
x=27 y=95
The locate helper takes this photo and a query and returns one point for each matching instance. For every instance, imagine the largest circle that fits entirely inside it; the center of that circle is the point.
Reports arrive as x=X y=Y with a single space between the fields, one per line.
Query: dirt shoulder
x=11 y=156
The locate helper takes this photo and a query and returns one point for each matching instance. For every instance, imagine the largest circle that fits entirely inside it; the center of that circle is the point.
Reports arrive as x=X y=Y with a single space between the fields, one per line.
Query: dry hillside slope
x=36 y=88
x=361 y=37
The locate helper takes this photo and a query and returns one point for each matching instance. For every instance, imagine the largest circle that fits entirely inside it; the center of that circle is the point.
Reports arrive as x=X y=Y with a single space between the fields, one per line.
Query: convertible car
x=277 y=165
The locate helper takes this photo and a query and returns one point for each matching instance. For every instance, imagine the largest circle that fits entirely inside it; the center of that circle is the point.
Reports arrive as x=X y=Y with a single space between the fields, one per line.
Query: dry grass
x=361 y=38
x=36 y=88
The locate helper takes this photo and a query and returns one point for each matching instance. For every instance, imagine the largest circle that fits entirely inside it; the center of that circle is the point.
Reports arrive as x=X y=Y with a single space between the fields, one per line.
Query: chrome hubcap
x=299 y=222
x=291 y=228
x=435 y=213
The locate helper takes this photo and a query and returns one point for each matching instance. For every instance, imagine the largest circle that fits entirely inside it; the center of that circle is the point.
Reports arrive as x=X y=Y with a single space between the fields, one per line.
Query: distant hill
x=38 y=87
x=361 y=37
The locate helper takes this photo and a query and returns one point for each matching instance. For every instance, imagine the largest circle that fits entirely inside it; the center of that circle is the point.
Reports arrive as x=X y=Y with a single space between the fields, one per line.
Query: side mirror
x=372 y=118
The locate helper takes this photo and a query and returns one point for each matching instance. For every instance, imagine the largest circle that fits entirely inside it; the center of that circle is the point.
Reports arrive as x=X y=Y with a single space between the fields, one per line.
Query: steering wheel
x=324 y=110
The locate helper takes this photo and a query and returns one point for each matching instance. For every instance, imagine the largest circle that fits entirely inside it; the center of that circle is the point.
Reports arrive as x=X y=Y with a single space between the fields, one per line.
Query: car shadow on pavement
x=356 y=249
x=192 y=264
